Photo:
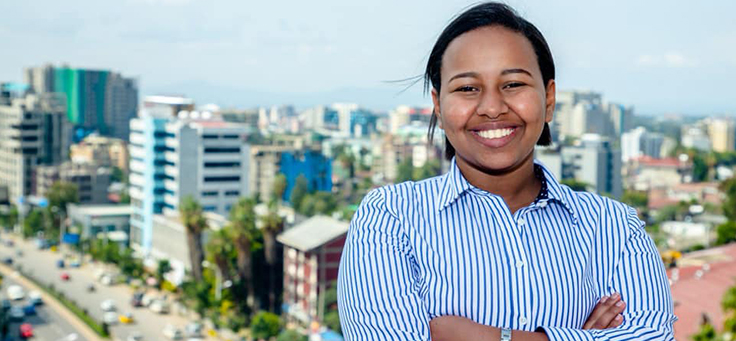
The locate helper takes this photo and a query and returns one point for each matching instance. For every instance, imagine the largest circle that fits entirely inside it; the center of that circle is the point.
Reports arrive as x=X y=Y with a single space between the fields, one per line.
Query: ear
x=436 y=109
x=551 y=101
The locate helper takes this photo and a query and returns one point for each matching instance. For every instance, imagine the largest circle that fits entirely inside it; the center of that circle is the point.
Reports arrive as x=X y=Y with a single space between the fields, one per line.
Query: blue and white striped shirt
x=441 y=246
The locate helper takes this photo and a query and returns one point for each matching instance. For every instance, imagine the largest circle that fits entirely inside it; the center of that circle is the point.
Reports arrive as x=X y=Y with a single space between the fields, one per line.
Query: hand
x=607 y=313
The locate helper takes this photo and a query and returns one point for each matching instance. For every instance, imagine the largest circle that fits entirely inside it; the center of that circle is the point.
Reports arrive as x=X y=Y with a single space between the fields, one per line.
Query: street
x=41 y=265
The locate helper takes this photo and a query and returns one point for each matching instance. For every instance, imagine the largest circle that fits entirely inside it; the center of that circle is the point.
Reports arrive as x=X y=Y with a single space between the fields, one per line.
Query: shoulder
x=598 y=209
x=399 y=199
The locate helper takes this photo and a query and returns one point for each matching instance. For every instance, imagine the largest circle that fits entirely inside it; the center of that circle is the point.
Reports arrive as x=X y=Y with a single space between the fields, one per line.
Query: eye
x=466 y=88
x=513 y=85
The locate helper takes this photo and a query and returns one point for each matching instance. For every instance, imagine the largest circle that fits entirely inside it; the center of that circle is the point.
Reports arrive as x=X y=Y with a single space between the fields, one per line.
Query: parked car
x=16 y=313
x=108 y=305
x=34 y=297
x=64 y=276
x=8 y=260
x=60 y=263
x=25 y=330
x=5 y=304
x=29 y=309
x=172 y=332
x=137 y=299
x=91 y=287
x=134 y=336
x=159 y=306
x=16 y=292
x=110 y=318
x=75 y=263
x=126 y=318
x=193 y=330
x=8 y=242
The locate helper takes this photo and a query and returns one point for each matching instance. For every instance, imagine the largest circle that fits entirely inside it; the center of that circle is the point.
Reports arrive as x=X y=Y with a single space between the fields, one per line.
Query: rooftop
x=313 y=233
x=101 y=210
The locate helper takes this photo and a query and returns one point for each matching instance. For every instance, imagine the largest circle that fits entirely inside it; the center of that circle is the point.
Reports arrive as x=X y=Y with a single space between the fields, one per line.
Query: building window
x=209 y=208
x=221 y=178
x=209 y=137
x=221 y=164
x=232 y=193
x=222 y=150
x=231 y=137
x=209 y=194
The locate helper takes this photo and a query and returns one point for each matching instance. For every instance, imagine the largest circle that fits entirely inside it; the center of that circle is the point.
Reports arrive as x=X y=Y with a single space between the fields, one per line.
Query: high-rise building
x=91 y=179
x=583 y=112
x=103 y=151
x=175 y=157
x=722 y=134
x=96 y=100
x=267 y=161
x=33 y=131
x=695 y=136
x=638 y=142
x=596 y=162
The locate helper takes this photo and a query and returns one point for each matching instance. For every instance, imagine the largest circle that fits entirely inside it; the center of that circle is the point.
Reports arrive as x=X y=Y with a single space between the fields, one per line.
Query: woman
x=497 y=249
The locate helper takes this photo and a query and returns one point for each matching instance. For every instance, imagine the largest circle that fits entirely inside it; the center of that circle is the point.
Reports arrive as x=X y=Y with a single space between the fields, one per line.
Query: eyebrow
x=472 y=74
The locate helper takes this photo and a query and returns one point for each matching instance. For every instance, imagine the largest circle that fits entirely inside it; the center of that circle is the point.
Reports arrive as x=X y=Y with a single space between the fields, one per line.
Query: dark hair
x=487 y=14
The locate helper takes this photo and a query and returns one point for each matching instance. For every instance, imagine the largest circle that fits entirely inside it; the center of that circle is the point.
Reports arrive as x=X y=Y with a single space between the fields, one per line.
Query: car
x=75 y=263
x=193 y=329
x=64 y=276
x=16 y=313
x=60 y=263
x=137 y=299
x=15 y=292
x=42 y=244
x=126 y=318
x=172 y=332
x=9 y=242
x=108 y=305
x=25 y=330
x=29 y=309
x=110 y=318
x=8 y=260
x=159 y=306
x=91 y=287
x=134 y=336
x=34 y=297
x=5 y=305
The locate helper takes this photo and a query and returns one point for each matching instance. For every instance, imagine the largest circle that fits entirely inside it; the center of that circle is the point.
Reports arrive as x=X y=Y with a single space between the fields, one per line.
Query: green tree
x=265 y=325
x=291 y=335
x=272 y=225
x=117 y=175
x=33 y=223
x=332 y=318
x=195 y=223
x=243 y=229
x=706 y=333
x=279 y=187
x=635 y=199
x=299 y=191
x=162 y=268
x=10 y=218
x=726 y=233
x=429 y=169
x=700 y=168
x=319 y=202
x=575 y=185
x=728 y=187
x=62 y=193
x=405 y=171
x=220 y=250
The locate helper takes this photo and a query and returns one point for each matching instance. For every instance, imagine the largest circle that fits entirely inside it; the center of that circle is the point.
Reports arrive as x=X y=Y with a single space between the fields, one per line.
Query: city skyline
x=655 y=56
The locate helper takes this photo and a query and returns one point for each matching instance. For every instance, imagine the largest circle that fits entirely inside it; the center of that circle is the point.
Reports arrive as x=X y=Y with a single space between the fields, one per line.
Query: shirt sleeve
x=641 y=280
x=376 y=293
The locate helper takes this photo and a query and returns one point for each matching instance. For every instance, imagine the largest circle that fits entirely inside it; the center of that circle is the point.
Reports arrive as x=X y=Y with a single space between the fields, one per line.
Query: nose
x=492 y=103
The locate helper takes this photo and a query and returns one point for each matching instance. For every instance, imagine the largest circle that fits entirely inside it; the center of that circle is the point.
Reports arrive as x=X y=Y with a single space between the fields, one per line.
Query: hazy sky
x=660 y=56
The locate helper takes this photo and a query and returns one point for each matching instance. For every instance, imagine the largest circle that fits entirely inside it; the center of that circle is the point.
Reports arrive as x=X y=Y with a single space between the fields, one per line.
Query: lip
x=495 y=143
x=494 y=125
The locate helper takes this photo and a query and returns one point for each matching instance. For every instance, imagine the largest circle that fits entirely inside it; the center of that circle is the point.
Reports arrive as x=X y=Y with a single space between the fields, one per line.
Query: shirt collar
x=454 y=185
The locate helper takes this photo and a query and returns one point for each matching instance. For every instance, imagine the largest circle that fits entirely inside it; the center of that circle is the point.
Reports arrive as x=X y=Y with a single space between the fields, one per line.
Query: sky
x=659 y=56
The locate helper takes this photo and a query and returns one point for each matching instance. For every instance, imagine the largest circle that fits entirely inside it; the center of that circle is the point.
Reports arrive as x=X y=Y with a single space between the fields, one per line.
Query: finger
x=617 y=322
x=610 y=315
x=606 y=303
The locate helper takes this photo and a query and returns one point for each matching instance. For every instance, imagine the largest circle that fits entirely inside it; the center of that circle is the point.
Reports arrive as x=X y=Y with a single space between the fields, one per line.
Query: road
x=41 y=265
x=48 y=325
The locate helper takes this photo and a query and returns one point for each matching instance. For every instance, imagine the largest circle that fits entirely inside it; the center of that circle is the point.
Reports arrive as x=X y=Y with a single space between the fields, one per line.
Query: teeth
x=495 y=133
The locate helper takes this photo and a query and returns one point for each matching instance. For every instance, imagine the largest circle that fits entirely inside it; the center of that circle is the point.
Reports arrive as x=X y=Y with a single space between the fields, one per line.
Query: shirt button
x=522 y=320
x=519 y=263
x=521 y=222
x=542 y=204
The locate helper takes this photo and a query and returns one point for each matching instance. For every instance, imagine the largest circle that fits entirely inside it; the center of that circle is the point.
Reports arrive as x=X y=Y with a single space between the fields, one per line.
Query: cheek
x=455 y=114
x=530 y=107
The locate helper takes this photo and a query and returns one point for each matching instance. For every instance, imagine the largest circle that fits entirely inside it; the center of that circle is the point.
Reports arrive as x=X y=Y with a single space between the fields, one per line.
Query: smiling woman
x=497 y=249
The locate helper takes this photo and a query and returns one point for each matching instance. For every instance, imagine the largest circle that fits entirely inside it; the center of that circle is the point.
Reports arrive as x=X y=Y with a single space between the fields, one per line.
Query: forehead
x=489 y=49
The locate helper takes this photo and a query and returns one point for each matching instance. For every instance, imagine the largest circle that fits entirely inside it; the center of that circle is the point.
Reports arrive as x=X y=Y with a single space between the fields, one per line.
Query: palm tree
x=243 y=228
x=219 y=249
x=272 y=225
x=194 y=223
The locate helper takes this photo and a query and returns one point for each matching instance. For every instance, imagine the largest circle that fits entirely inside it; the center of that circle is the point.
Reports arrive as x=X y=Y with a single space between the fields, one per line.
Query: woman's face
x=493 y=102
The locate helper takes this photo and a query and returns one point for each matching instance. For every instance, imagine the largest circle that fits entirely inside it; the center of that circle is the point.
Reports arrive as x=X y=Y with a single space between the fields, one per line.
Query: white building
x=695 y=136
x=595 y=162
x=639 y=142
x=584 y=112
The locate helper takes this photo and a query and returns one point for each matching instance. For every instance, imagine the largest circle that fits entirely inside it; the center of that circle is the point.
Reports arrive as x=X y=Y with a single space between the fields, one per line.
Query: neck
x=517 y=186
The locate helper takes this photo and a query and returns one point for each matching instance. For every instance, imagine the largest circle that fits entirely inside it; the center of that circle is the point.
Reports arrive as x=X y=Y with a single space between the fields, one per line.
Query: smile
x=495 y=133
x=495 y=138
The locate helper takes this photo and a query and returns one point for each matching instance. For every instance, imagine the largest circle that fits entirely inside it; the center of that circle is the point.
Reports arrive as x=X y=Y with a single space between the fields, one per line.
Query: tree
x=272 y=225
x=117 y=175
x=700 y=168
x=299 y=191
x=291 y=335
x=405 y=171
x=429 y=169
x=162 y=269
x=243 y=228
x=729 y=205
x=318 y=203
x=62 y=193
x=194 y=222
x=575 y=185
x=33 y=223
x=220 y=250
x=279 y=187
x=726 y=233
x=635 y=199
x=10 y=218
x=265 y=325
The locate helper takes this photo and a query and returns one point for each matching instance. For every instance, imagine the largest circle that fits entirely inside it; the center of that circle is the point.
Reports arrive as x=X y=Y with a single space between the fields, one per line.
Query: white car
x=108 y=305
x=16 y=292
x=173 y=333
x=159 y=306
x=110 y=318
x=34 y=297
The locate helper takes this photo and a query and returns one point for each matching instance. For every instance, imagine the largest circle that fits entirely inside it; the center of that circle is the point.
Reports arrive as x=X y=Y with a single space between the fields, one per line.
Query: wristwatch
x=505 y=334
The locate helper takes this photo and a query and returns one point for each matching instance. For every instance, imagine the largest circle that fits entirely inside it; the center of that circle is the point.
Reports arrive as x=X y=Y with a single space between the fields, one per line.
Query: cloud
x=669 y=60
